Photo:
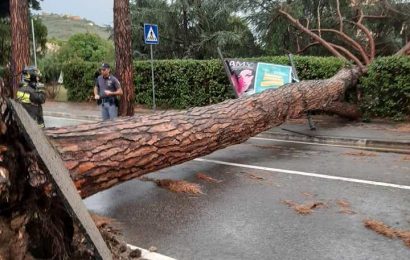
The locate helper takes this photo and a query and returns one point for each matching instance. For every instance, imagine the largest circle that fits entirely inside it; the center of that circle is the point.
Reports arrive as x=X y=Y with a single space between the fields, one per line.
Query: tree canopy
x=193 y=29
x=87 y=47
x=389 y=22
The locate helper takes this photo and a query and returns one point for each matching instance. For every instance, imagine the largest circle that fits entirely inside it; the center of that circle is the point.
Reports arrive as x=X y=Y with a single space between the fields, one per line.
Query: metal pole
x=34 y=43
x=152 y=75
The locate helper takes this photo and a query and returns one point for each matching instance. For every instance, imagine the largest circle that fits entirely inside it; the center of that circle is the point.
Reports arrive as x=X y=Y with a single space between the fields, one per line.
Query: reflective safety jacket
x=32 y=99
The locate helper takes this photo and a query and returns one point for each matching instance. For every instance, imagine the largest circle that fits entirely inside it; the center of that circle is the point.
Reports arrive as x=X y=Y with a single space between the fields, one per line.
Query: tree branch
x=349 y=55
x=368 y=34
x=339 y=14
x=311 y=34
x=318 y=19
x=405 y=50
x=352 y=42
x=370 y=38
x=388 y=7
x=306 y=47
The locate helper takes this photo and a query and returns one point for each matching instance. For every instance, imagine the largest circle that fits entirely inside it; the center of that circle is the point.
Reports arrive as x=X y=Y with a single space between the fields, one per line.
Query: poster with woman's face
x=242 y=76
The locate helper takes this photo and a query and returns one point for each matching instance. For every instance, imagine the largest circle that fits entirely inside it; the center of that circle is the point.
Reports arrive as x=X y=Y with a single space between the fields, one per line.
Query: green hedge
x=182 y=83
x=79 y=79
x=186 y=83
x=386 y=88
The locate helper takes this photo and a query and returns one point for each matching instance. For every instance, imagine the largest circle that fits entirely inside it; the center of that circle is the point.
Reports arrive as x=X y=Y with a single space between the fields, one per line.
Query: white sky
x=98 y=11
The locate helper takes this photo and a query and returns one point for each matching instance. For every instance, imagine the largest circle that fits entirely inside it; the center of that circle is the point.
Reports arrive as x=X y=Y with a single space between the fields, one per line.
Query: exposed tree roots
x=34 y=223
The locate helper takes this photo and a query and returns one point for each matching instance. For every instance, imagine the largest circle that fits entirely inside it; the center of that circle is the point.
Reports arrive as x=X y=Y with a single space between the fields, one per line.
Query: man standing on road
x=106 y=90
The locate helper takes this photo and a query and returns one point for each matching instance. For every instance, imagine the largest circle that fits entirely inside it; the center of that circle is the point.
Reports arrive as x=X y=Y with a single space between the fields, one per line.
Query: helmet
x=31 y=74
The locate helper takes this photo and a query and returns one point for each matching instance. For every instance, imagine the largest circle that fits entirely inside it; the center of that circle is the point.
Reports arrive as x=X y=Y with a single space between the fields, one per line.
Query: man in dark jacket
x=106 y=90
x=31 y=94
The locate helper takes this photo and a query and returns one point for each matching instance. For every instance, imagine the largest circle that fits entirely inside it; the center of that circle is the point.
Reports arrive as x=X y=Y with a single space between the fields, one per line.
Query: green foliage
x=79 y=79
x=277 y=35
x=50 y=68
x=192 y=29
x=182 y=83
x=5 y=41
x=386 y=88
x=87 y=47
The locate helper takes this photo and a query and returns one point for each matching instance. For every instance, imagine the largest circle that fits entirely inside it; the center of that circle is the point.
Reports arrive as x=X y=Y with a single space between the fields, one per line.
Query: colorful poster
x=248 y=78
x=271 y=76
x=242 y=75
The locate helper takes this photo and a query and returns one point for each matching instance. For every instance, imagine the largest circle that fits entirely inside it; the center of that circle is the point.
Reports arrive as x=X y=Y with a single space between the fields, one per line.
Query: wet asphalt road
x=244 y=217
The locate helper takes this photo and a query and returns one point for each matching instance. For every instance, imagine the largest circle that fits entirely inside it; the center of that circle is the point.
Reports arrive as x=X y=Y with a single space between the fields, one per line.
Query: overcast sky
x=98 y=11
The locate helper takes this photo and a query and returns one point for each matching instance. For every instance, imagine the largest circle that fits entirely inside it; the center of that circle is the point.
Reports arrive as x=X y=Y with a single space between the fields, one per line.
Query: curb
x=71 y=116
x=399 y=146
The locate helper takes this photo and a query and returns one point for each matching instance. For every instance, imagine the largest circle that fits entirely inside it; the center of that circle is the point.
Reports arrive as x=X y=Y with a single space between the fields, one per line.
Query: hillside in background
x=62 y=27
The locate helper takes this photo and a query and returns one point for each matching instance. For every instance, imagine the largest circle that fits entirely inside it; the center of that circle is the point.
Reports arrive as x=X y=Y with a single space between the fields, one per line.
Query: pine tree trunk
x=20 y=50
x=101 y=155
x=123 y=55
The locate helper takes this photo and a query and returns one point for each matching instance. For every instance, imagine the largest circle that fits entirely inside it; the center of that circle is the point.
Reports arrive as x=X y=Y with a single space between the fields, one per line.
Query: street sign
x=151 y=33
x=151 y=37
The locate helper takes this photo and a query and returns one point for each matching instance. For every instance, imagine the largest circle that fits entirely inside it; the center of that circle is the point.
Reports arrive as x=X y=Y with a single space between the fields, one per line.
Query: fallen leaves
x=383 y=229
x=207 y=178
x=303 y=209
x=345 y=207
x=179 y=186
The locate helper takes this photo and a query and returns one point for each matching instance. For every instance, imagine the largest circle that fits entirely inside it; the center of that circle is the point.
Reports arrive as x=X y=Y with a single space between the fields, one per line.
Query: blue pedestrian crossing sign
x=151 y=33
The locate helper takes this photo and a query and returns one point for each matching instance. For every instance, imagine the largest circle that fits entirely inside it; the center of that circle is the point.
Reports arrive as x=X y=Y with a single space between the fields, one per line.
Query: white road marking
x=310 y=174
x=145 y=254
x=334 y=145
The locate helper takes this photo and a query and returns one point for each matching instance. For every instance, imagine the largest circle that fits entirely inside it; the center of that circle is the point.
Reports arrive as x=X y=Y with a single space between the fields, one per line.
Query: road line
x=334 y=145
x=310 y=174
x=145 y=254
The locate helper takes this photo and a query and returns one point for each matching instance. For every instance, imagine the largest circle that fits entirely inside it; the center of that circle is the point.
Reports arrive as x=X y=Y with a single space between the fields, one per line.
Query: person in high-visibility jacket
x=31 y=94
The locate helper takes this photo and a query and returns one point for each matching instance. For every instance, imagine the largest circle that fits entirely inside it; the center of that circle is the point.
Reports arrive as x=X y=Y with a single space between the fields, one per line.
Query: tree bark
x=20 y=50
x=101 y=155
x=123 y=55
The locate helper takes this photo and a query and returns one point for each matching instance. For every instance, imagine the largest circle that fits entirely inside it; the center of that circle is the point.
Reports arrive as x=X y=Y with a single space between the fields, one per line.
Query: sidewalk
x=85 y=111
x=383 y=134
x=379 y=134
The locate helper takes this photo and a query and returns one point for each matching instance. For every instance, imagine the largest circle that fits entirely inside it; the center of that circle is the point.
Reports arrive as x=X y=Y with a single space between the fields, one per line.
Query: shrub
x=87 y=47
x=79 y=79
x=182 y=83
x=386 y=88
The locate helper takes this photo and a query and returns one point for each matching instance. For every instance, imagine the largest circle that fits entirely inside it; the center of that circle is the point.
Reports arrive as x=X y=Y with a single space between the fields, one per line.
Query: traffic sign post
x=151 y=37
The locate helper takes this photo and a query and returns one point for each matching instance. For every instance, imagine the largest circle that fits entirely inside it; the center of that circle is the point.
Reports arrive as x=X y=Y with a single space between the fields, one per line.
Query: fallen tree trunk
x=101 y=155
